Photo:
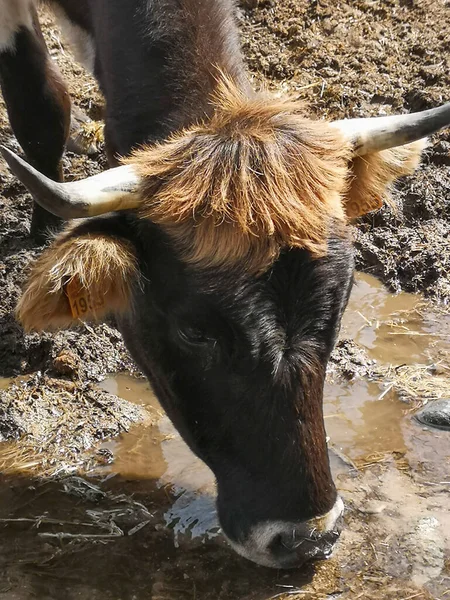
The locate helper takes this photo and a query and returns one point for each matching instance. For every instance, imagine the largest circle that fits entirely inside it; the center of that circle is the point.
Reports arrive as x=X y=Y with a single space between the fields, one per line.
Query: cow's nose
x=291 y=549
x=287 y=545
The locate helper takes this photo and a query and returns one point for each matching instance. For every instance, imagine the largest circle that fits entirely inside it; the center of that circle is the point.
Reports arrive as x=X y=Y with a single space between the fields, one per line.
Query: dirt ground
x=351 y=59
x=345 y=59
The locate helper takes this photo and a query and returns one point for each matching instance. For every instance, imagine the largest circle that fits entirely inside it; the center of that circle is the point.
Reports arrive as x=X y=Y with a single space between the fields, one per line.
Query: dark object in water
x=436 y=414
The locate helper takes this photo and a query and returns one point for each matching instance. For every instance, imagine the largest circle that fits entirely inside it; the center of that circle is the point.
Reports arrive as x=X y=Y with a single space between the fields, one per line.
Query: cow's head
x=226 y=260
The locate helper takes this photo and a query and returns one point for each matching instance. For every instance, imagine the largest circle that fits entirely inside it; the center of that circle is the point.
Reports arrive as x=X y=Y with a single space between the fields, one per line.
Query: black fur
x=156 y=64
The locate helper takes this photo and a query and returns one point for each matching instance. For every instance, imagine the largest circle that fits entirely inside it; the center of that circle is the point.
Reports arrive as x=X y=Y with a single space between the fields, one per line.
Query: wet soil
x=57 y=421
x=366 y=58
x=88 y=352
x=400 y=341
x=135 y=518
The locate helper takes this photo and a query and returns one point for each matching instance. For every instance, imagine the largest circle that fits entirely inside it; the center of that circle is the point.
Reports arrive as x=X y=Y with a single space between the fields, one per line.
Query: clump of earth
x=58 y=421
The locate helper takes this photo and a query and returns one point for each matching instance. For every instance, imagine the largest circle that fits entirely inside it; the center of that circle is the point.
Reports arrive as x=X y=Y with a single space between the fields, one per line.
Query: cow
x=219 y=240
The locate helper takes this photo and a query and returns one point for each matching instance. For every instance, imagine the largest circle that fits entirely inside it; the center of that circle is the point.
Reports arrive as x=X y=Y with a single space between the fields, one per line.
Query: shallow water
x=161 y=497
x=397 y=329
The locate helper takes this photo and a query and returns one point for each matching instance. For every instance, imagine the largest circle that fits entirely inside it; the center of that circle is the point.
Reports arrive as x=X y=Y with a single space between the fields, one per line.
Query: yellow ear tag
x=82 y=303
x=354 y=209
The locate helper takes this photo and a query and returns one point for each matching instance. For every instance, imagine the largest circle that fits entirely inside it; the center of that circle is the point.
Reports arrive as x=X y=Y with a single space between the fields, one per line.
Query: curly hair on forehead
x=255 y=178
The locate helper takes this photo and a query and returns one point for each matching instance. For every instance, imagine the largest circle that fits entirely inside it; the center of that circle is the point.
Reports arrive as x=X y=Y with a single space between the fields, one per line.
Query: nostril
x=278 y=544
x=289 y=548
x=292 y=548
x=283 y=552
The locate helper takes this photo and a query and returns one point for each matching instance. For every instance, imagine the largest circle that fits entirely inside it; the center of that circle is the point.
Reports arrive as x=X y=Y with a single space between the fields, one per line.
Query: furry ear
x=372 y=174
x=78 y=277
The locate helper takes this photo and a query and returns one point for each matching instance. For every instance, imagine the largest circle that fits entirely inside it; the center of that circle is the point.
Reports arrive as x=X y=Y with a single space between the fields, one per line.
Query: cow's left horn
x=380 y=133
x=115 y=189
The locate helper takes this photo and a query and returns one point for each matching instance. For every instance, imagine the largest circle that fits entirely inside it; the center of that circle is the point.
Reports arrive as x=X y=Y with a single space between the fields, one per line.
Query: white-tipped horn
x=115 y=189
x=380 y=133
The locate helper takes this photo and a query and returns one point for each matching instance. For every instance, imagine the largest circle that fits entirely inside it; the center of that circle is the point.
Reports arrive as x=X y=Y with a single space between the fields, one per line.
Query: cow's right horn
x=115 y=189
x=374 y=134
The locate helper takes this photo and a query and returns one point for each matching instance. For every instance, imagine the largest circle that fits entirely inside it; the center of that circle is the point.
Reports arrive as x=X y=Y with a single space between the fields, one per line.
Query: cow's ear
x=82 y=275
x=372 y=174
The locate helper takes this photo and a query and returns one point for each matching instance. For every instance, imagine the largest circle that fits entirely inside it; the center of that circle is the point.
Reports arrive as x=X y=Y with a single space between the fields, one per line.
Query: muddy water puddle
x=144 y=526
x=396 y=329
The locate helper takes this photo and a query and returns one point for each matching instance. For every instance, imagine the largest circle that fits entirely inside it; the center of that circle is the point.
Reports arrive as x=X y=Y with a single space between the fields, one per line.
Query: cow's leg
x=36 y=98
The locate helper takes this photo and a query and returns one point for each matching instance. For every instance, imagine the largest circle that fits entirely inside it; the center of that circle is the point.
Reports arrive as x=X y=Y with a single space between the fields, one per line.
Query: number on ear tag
x=82 y=303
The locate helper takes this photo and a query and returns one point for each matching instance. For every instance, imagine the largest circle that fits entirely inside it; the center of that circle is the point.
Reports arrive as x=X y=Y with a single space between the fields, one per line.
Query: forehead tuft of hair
x=253 y=179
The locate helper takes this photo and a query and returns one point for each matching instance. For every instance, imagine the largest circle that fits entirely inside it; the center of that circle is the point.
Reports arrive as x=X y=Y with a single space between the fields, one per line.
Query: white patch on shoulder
x=13 y=15
x=80 y=41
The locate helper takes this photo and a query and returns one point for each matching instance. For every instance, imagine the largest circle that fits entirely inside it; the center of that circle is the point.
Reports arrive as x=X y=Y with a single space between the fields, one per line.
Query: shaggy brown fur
x=255 y=178
x=101 y=267
x=372 y=175
x=259 y=177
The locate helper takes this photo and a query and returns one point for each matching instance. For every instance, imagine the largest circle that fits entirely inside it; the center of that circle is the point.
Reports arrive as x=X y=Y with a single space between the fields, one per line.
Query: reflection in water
x=194 y=514
x=158 y=453
x=358 y=422
x=361 y=419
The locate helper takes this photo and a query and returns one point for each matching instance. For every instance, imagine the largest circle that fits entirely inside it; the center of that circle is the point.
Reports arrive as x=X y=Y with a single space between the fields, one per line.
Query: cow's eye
x=195 y=337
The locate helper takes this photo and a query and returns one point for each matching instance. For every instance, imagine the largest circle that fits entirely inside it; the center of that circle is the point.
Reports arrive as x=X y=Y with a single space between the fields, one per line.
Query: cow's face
x=238 y=362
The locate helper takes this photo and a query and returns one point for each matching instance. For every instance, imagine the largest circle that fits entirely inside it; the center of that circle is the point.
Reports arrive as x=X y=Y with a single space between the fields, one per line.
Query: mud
x=89 y=352
x=367 y=58
x=401 y=342
x=151 y=531
x=57 y=421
